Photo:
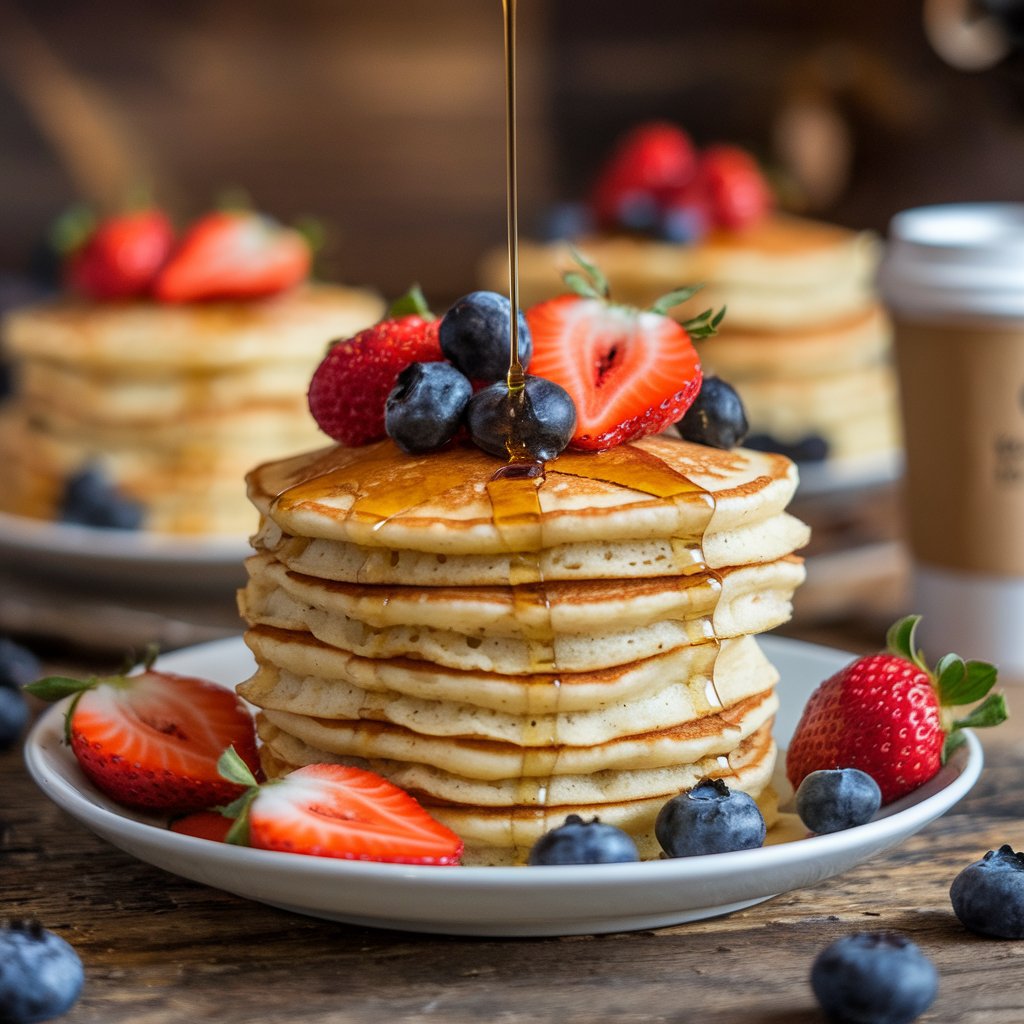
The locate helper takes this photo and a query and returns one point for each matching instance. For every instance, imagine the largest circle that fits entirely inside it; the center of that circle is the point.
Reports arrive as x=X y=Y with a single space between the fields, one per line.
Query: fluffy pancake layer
x=515 y=650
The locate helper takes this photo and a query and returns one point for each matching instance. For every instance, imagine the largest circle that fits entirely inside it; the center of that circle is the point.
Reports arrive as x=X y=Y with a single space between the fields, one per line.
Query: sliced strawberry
x=328 y=810
x=152 y=740
x=210 y=825
x=891 y=716
x=120 y=258
x=352 y=383
x=631 y=372
x=234 y=255
x=650 y=162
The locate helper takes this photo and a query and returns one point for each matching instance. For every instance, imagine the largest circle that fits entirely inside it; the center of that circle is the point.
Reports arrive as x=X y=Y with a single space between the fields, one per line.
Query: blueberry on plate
x=475 y=336
x=874 y=978
x=543 y=422
x=91 y=499
x=710 y=818
x=834 y=799
x=716 y=417
x=18 y=665
x=425 y=407
x=583 y=842
x=988 y=895
x=40 y=974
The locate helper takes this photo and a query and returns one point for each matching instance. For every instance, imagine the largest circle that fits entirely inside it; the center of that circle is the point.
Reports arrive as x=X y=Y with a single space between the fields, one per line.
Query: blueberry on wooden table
x=40 y=974
x=874 y=978
x=988 y=895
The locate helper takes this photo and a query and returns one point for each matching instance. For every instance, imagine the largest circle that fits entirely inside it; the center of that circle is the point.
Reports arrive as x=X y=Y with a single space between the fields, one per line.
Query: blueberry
x=637 y=210
x=716 y=418
x=474 y=336
x=566 y=220
x=874 y=978
x=988 y=895
x=584 y=842
x=40 y=974
x=425 y=408
x=837 y=798
x=683 y=224
x=543 y=421
x=710 y=818
x=18 y=665
x=812 y=448
x=91 y=499
x=13 y=717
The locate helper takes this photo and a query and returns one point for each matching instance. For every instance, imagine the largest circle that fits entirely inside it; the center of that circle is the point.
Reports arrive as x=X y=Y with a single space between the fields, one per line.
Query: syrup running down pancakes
x=513 y=649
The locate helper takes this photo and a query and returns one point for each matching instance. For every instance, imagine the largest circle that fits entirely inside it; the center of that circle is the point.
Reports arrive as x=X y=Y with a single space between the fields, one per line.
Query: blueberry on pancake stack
x=513 y=641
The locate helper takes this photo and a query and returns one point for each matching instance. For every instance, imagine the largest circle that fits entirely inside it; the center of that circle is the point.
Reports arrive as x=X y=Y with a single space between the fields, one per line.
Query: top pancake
x=448 y=502
x=149 y=336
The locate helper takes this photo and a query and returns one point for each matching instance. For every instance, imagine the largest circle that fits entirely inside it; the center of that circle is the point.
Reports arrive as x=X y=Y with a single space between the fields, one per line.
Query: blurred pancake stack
x=805 y=340
x=512 y=649
x=164 y=404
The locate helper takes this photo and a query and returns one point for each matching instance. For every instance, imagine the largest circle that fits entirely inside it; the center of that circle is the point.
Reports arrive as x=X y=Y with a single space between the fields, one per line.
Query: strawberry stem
x=591 y=284
x=412 y=303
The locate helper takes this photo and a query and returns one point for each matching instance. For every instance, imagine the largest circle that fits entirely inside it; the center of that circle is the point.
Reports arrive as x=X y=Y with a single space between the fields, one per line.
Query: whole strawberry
x=351 y=385
x=122 y=255
x=630 y=372
x=891 y=716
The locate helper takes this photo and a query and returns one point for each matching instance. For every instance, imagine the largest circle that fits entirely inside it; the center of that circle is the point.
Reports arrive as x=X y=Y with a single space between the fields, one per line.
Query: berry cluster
x=658 y=182
x=601 y=374
x=226 y=254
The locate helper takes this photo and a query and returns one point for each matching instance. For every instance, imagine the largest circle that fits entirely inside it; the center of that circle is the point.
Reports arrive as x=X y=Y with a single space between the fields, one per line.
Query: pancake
x=171 y=404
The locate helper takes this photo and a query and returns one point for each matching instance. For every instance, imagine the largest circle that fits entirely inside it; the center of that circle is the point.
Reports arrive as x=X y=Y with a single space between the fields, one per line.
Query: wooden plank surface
x=158 y=949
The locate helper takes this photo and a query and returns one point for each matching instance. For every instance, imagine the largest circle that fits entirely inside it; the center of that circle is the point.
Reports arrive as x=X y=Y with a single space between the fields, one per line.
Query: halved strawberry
x=332 y=810
x=152 y=740
x=234 y=255
x=351 y=384
x=210 y=825
x=121 y=256
x=631 y=372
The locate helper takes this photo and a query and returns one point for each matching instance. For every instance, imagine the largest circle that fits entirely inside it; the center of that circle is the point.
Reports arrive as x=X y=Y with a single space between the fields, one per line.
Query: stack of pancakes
x=805 y=340
x=172 y=404
x=513 y=648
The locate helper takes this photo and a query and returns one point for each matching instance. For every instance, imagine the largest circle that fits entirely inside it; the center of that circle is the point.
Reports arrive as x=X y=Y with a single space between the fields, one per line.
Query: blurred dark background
x=385 y=120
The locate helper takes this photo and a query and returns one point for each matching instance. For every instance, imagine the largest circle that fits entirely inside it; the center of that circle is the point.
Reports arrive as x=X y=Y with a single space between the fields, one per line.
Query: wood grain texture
x=158 y=949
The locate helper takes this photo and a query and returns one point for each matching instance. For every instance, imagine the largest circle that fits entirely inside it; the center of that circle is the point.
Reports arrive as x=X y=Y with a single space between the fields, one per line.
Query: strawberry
x=121 y=256
x=891 y=716
x=210 y=825
x=735 y=190
x=233 y=255
x=630 y=372
x=647 y=165
x=352 y=383
x=332 y=810
x=152 y=740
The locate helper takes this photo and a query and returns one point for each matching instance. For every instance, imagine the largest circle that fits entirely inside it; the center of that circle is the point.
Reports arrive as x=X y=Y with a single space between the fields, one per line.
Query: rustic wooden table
x=158 y=949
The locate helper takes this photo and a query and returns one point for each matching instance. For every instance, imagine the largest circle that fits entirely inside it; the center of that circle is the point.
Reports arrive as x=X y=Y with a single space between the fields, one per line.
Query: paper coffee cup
x=953 y=279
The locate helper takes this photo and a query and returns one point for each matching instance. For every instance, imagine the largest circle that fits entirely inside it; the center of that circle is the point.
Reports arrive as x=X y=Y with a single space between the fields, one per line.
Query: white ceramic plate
x=133 y=557
x=500 y=901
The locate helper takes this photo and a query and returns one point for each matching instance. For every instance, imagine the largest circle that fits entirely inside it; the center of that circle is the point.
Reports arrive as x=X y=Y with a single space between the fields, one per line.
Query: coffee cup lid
x=965 y=258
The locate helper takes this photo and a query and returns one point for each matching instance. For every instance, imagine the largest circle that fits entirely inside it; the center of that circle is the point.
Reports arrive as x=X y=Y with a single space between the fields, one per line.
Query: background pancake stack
x=514 y=649
x=804 y=341
x=172 y=404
